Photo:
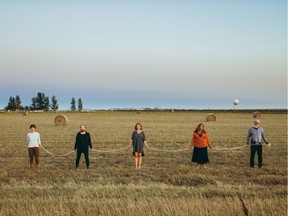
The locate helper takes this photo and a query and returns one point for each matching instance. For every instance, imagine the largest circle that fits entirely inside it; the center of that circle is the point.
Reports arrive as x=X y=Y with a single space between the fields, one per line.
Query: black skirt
x=200 y=155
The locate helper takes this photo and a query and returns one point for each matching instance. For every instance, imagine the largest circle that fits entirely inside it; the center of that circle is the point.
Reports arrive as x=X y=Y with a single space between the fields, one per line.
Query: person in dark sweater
x=254 y=139
x=82 y=145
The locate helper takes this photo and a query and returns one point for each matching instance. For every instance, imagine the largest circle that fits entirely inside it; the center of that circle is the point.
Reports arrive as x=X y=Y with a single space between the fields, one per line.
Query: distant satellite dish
x=236 y=102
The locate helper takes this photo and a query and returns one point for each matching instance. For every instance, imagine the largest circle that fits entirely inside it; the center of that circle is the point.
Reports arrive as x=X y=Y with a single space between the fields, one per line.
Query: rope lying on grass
x=168 y=150
x=96 y=150
x=180 y=150
x=153 y=149
x=107 y=151
x=56 y=155
x=223 y=149
x=239 y=147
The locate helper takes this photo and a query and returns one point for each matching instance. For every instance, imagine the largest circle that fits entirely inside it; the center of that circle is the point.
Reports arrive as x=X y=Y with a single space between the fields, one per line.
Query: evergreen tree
x=54 y=105
x=40 y=102
x=18 y=103
x=80 y=105
x=11 y=104
x=14 y=103
x=73 y=104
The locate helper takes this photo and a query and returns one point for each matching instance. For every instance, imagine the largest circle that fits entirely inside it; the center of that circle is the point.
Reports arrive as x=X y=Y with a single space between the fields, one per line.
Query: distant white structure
x=236 y=103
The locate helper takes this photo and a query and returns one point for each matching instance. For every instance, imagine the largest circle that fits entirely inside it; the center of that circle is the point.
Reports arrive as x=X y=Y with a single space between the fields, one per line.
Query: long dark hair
x=198 y=127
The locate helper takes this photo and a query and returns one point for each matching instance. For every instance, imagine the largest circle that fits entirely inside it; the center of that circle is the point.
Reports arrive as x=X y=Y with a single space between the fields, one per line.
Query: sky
x=132 y=54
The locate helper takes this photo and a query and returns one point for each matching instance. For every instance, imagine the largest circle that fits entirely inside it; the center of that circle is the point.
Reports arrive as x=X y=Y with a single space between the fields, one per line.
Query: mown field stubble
x=168 y=183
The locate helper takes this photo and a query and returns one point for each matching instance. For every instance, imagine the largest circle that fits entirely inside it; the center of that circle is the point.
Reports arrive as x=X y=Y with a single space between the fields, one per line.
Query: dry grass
x=168 y=184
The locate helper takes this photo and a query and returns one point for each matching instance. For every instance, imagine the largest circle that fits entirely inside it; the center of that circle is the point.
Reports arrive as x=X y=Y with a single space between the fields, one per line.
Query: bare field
x=168 y=184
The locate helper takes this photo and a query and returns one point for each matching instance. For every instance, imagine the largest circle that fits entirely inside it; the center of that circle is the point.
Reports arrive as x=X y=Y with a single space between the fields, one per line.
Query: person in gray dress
x=138 y=141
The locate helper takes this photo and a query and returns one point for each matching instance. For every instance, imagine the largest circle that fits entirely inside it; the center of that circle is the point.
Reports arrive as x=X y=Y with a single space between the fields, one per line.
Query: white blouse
x=33 y=139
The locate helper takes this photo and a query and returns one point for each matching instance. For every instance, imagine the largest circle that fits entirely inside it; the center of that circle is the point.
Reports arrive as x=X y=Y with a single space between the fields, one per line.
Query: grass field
x=168 y=183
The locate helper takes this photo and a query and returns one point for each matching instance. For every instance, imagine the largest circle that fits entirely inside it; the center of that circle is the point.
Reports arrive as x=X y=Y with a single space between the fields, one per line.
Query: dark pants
x=85 y=152
x=34 y=152
x=254 y=149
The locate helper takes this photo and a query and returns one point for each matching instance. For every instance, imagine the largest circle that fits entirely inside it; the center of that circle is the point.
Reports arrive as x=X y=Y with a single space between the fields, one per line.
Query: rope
x=56 y=155
x=239 y=147
x=107 y=151
x=168 y=150
x=153 y=149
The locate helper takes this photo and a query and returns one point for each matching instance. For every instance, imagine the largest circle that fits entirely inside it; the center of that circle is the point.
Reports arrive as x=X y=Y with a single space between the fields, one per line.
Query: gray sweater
x=255 y=136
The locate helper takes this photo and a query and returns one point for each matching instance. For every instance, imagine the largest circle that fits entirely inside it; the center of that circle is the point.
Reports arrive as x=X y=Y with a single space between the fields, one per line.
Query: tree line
x=41 y=102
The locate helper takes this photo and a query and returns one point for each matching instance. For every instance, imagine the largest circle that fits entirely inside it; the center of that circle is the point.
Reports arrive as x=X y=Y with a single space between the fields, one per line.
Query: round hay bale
x=211 y=117
x=60 y=120
x=25 y=113
x=172 y=110
x=138 y=112
x=257 y=114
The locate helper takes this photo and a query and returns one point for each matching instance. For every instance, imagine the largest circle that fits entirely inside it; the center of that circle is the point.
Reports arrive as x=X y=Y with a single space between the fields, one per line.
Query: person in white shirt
x=34 y=143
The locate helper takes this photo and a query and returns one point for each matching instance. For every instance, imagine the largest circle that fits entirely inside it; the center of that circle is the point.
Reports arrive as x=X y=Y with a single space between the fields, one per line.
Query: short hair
x=82 y=125
x=256 y=121
x=32 y=126
x=136 y=126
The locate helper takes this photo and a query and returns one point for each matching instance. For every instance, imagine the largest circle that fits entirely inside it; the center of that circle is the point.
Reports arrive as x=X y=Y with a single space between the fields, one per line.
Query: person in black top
x=82 y=144
x=138 y=140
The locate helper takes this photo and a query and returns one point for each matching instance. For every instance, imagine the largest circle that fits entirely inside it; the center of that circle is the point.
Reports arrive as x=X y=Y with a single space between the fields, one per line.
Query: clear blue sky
x=174 y=54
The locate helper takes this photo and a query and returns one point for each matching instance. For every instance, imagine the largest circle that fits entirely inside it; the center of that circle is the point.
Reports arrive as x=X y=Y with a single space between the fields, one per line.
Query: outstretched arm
x=264 y=137
x=90 y=142
x=145 y=143
x=75 y=145
x=248 y=138
x=191 y=145
x=130 y=144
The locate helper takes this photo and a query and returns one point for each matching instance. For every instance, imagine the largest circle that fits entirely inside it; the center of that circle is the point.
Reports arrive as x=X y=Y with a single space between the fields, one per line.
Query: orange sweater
x=200 y=142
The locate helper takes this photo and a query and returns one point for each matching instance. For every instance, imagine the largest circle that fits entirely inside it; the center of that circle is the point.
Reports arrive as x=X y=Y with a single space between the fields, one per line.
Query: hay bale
x=60 y=120
x=138 y=112
x=211 y=117
x=257 y=114
x=25 y=113
x=172 y=110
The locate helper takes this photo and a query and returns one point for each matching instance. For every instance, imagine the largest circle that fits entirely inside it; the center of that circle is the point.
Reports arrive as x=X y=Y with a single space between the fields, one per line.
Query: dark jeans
x=254 y=149
x=85 y=152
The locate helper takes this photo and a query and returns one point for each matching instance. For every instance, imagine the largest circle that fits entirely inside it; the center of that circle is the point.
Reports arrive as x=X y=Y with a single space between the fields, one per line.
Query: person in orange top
x=200 y=141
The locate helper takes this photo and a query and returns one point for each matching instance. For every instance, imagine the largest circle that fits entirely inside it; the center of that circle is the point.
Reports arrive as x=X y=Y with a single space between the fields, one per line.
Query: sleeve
x=248 y=138
x=89 y=141
x=28 y=139
x=207 y=137
x=264 y=137
x=39 y=140
x=75 y=146
x=193 y=138
x=144 y=136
